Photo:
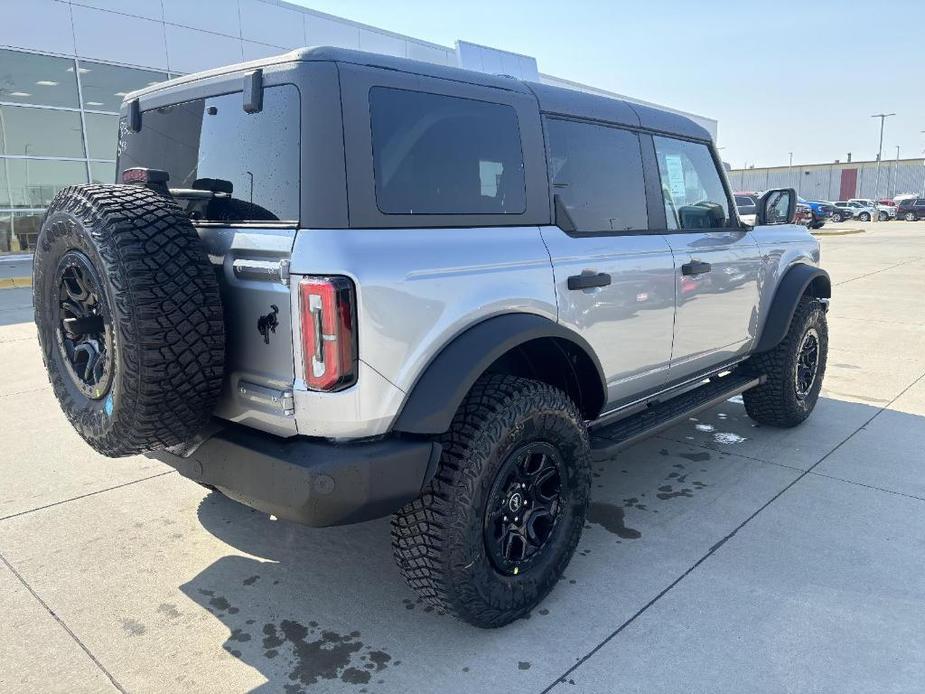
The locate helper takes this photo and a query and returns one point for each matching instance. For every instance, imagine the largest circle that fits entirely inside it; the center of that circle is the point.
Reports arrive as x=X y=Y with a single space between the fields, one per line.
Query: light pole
x=790 y=170
x=895 y=171
x=882 y=117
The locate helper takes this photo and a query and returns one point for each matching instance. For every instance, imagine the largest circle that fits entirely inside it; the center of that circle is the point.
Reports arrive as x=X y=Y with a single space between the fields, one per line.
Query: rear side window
x=597 y=173
x=249 y=160
x=691 y=186
x=435 y=154
x=743 y=200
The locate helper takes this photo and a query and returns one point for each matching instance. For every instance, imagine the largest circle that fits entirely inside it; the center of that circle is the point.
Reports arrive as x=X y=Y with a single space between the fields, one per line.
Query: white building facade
x=65 y=65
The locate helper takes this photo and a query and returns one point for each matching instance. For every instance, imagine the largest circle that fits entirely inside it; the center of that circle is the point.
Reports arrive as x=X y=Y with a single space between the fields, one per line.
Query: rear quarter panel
x=416 y=290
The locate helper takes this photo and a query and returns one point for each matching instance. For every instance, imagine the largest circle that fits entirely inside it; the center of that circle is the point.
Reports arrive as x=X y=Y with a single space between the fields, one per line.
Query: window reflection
x=102 y=135
x=102 y=172
x=34 y=182
x=39 y=132
x=4 y=183
x=27 y=78
x=104 y=86
x=18 y=231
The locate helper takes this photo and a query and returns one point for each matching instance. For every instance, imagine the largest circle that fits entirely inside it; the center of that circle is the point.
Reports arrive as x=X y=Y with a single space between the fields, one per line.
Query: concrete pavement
x=720 y=556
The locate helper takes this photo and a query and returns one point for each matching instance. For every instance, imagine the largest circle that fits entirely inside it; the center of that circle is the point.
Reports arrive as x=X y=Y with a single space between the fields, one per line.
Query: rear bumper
x=310 y=481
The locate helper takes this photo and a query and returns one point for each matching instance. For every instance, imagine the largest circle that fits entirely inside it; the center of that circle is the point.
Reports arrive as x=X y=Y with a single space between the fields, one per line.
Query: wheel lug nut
x=516 y=519
x=505 y=519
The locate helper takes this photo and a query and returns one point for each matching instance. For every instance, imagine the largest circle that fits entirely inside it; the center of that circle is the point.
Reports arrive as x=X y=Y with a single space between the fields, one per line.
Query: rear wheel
x=794 y=370
x=864 y=217
x=882 y=216
x=910 y=216
x=492 y=533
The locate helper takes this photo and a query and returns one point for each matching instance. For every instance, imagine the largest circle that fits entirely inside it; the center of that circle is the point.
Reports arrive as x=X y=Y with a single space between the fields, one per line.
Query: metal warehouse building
x=837 y=181
x=65 y=65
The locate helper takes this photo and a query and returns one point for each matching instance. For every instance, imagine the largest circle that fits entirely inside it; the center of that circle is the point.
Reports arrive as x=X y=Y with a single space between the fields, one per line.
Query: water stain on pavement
x=133 y=627
x=611 y=518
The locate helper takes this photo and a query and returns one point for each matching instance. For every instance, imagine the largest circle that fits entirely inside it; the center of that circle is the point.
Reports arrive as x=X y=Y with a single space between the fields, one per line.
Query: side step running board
x=608 y=440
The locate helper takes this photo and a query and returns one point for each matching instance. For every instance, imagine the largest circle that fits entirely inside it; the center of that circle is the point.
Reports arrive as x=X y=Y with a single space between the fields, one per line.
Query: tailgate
x=253 y=266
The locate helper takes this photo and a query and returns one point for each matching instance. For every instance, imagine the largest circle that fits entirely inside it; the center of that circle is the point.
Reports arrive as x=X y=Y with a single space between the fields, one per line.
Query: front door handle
x=588 y=280
x=695 y=267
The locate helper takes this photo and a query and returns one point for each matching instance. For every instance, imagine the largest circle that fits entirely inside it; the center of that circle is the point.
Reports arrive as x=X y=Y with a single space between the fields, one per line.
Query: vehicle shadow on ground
x=327 y=607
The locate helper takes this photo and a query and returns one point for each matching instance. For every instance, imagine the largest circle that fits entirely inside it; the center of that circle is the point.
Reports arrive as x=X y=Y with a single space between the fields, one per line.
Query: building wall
x=65 y=64
x=824 y=181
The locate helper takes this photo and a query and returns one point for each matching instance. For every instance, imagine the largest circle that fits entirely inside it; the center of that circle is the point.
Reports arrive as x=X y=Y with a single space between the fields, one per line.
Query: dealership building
x=837 y=180
x=65 y=66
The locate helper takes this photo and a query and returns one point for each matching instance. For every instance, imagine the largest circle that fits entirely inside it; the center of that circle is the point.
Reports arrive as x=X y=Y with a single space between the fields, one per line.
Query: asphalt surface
x=720 y=556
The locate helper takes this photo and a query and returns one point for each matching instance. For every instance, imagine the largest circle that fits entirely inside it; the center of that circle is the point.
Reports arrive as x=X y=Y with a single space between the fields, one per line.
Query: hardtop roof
x=558 y=100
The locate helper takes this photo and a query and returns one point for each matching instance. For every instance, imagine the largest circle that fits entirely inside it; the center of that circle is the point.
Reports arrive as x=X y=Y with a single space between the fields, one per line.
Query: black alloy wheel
x=523 y=507
x=84 y=325
x=807 y=363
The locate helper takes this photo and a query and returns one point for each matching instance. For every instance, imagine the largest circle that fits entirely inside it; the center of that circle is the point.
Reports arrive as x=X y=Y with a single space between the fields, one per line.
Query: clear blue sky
x=779 y=77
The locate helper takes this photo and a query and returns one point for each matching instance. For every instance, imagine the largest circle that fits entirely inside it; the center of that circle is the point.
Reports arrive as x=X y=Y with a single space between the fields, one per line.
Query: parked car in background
x=864 y=213
x=883 y=212
x=889 y=202
x=911 y=209
x=804 y=214
x=821 y=211
x=843 y=211
x=747 y=205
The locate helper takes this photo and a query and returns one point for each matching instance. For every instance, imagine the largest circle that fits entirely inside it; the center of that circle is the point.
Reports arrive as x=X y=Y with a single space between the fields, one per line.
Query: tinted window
x=920 y=203
x=743 y=200
x=213 y=144
x=436 y=154
x=597 y=173
x=103 y=86
x=102 y=135
x=26 y=78
x=40 y=132
x=693 y=191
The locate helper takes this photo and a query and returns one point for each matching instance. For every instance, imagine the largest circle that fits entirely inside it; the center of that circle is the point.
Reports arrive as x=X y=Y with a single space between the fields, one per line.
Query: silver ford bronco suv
x=334 y=286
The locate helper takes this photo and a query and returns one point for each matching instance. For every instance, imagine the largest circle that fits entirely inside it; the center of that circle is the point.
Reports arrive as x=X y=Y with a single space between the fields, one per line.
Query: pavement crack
x=877 y=272
x=115 y=682
x=869 y=486
x=721 y=542
x=84 y=496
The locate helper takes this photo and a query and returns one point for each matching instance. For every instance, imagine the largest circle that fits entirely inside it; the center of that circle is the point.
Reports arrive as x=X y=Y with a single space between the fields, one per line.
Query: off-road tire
x=160 y=295
x=776 y=402
x=438 y=539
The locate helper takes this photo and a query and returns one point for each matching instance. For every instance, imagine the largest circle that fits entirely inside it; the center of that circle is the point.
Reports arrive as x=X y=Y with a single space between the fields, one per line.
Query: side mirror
x=777 y=206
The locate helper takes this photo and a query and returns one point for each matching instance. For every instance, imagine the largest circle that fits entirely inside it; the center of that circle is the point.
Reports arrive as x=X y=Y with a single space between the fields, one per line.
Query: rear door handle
x=588 y=280
x=695 y=267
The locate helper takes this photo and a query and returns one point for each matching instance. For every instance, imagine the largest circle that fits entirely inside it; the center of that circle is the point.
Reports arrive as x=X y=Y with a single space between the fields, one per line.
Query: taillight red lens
x=329 y=353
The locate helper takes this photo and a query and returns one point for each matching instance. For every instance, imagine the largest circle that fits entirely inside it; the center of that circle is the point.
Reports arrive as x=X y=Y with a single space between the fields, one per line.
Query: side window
x=435 y=154
x=597 y=173
x=250 y=161
x=742 y=200
x=691 y=185
x=920 y=202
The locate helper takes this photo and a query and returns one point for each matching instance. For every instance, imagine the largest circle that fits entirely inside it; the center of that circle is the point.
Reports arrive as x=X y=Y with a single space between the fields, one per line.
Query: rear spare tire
x=129 y=318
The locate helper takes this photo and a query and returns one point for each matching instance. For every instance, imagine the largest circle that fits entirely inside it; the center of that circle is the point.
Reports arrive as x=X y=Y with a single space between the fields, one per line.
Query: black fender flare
x=433 y=400
x=791 y=288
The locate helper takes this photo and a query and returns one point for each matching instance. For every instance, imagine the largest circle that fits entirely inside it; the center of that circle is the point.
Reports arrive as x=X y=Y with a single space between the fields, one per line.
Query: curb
x=840 y=232
x=15 y=282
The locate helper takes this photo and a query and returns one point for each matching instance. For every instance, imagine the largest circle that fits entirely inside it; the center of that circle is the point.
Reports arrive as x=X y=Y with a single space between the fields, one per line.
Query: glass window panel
x=40 y=132
x=436 y=154
x=4 y=183
x=26 y=227
x=597 y=173
x=692 y=189
x=213 y=144
x=6 y=233
x=103 y=86
x=34 y=182
x=102 y=172
x=102 y=135
x=27 y=78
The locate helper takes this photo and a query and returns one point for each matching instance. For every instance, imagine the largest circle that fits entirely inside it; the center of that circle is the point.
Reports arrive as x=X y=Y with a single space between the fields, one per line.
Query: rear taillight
x=329 y=352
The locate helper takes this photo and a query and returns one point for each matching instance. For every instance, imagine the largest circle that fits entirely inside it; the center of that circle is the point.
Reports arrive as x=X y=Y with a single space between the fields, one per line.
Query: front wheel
x=910 y=216
x=837 y=218
x=882 y=217
x=490 y=536
x=864 y=217
x=794 y=370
